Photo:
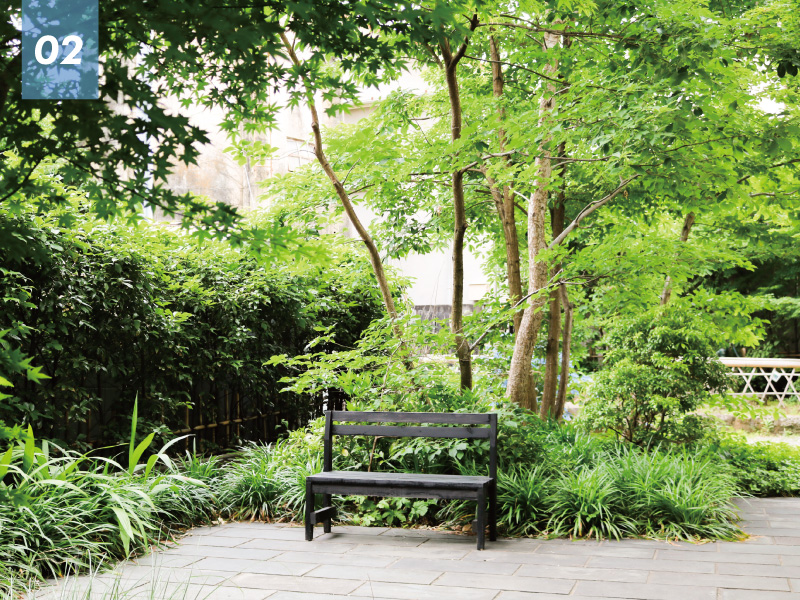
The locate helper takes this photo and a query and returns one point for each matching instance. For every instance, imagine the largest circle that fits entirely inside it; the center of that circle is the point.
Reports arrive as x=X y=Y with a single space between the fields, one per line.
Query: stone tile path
x=252 y=561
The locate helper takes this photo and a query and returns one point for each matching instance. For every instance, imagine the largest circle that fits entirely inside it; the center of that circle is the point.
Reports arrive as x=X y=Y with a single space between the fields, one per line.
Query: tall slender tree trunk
x=557 y=213
x=463 y=351
x=687 y=227
x=504 y=200
x=547 y=406
x=561 y=397
x=344 y=197
x=521 y=386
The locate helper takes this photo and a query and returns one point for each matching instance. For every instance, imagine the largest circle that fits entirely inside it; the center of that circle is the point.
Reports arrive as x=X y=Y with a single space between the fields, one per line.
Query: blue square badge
x=59 y=49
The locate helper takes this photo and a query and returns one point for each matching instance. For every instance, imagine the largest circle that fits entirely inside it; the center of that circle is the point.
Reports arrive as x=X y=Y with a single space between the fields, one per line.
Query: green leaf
x=5 y=461
x=137 y=453
x=125 y=530
x=29 y=451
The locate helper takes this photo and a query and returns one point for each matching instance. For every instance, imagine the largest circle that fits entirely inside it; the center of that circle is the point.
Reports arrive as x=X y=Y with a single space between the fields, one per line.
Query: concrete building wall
x=219 y=177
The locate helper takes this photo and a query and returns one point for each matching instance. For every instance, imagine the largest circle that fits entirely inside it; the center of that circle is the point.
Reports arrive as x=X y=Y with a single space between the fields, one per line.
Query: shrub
x=111 y=312
x=762 y=469
x=659 y=369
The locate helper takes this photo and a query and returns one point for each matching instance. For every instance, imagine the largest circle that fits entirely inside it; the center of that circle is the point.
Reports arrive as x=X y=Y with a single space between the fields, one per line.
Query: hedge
x=112 y=312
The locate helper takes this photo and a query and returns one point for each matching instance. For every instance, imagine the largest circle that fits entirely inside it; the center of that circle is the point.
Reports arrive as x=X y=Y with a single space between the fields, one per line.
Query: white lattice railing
x=779 y=375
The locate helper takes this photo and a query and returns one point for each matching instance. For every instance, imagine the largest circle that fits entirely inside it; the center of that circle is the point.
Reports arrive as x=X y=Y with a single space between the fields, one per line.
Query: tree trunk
x=561 y=398
x=510 y=240
x=505 y=201
x=687 y=227
x=547 y=408
x=344 y=197
x=521 y=388
x=554 y=332
x=463 y=351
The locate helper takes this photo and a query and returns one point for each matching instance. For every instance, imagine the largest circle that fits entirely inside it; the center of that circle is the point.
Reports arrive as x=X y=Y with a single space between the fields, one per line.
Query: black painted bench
x=406 y=485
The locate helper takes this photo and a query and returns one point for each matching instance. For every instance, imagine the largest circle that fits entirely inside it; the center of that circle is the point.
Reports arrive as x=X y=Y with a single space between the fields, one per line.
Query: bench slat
x=386 y=491
x=392 y=478
x=409 y=431
x=357 y=416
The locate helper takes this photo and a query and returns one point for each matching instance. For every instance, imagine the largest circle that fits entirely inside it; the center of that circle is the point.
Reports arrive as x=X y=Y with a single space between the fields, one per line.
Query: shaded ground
x=253 y=561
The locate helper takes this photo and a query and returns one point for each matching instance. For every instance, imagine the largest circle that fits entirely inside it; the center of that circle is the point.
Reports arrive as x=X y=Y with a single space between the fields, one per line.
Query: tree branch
x=508 y=64
x=783 y=164
x=473 y=23
x=589 y=209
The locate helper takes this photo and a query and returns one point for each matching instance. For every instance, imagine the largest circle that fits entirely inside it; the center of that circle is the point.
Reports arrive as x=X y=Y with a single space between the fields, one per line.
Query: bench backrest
x=465 y=426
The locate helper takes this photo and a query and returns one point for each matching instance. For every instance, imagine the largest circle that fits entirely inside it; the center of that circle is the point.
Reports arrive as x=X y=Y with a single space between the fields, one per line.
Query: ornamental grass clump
x=268 y=482
x=523 y=496
x=64 y=512
x=587 y=503
x=677 y=494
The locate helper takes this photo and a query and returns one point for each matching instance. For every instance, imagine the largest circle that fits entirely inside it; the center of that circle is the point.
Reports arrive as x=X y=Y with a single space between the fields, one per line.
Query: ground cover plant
x=63 y=512
x=570 y=484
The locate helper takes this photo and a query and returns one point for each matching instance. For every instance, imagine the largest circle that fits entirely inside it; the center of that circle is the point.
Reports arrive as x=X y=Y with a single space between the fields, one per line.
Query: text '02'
x=60 y=49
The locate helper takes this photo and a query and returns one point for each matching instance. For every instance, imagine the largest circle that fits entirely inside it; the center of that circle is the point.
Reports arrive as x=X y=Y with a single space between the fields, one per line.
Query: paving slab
x=500 y=582
x=371 y=574
x=307 y=596
x=323 y=558
x=751 y=595
x=272 y=561
x=406 y=591
x=648 y=564
x=410 y=565
x=560 y=560
x=587 y=573
x=643 y=591
x=538 y=596
x=288 y=583
x=742 y=582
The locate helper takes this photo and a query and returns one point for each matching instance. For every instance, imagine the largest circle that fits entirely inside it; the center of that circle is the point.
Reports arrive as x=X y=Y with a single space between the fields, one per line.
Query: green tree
x=652 y=109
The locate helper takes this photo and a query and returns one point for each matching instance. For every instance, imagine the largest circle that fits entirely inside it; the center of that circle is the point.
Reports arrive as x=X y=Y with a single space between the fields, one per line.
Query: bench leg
x=309 y=511
x=326 y=502
x=493 y=513
x=480 y=517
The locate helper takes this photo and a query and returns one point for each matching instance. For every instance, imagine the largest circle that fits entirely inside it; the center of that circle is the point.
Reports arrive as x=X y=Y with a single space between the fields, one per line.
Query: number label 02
x=60 y=49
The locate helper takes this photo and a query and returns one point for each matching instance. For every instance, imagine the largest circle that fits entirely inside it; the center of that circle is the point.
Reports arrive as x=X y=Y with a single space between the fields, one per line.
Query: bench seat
x=408 y=485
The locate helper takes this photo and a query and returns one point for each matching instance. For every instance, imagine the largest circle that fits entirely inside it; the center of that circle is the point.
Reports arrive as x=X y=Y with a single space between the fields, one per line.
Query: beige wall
x=217 y=176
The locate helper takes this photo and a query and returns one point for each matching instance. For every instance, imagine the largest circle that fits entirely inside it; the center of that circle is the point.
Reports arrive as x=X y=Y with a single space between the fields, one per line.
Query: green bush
x=571 y=483
x=762 y=469
x=659 y=369
x=109 y=312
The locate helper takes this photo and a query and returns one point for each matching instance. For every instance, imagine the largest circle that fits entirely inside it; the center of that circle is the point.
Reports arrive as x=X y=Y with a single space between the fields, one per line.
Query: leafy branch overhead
x=220 y=54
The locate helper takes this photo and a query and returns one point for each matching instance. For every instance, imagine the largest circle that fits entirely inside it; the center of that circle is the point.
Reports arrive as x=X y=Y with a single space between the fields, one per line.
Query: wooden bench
x=406 y=485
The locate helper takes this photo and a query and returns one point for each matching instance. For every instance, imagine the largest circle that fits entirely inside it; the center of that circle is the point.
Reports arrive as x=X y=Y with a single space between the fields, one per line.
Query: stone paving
x=254 y=561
